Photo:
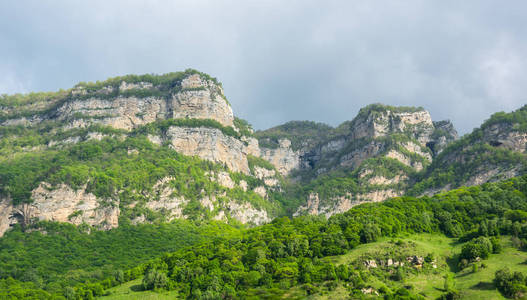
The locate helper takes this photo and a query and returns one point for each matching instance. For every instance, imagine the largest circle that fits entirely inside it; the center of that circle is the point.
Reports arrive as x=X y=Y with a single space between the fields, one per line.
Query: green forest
x=225 y=262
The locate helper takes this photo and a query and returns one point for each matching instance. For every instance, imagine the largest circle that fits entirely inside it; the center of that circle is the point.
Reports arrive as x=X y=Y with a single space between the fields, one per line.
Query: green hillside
x=318 y=257
x=148 y=187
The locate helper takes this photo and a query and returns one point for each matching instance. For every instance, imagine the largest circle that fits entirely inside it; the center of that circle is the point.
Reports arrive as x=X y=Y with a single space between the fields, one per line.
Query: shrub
x=480 y=247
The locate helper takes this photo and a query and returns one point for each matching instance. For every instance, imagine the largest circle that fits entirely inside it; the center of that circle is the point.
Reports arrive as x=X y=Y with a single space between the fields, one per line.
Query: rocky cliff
x=185 y=111
x=378 y=151
x=154 y=148
x=495 y=151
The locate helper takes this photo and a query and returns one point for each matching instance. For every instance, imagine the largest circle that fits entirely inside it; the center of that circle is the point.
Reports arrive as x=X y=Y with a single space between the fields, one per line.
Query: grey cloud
x=283 y=60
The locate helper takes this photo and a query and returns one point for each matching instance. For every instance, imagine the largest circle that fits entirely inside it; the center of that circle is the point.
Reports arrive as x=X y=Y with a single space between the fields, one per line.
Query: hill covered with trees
x=149 y=186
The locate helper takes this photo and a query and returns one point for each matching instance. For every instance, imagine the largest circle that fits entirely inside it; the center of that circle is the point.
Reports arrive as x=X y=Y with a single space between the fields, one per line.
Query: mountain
x=154 y=148
x=371 y=158
x=149 y=186
x=495 y=151
x=131 y=149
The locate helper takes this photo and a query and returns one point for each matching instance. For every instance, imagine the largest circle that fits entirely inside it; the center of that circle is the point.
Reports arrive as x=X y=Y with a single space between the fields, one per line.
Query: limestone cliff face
x=366 y=136
x=381 y=123
x=201 y=99
x=6 y=210
x=129 y=105
x=283 y=157
x=196 y=98
x=64 y=204
x=404 y=135
x=164 y=199
x=210 y=144
x=504 y=135
x=443 y=135
x=61 y=204
x=477 y=159
x=335 y=205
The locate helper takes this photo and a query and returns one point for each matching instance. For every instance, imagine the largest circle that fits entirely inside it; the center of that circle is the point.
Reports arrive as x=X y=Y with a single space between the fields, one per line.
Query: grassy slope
x=472 y=285
x=132 y=290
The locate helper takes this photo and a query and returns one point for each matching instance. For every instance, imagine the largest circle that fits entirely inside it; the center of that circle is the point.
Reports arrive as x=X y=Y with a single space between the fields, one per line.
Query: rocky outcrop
x=6 y=210
x=283 y=157
x=64 y=204
x=131 y=104
x=396 y=133
x=335 y=205
x=354 y=158
x=493 y=174
x=504 y=135
x=443 y=135
x=418 y=166
x=246 y=213
x=201 y=99
x=121 y=112
x=210 y=144
x=60 y=204
x=374 y=123
x=165 y=199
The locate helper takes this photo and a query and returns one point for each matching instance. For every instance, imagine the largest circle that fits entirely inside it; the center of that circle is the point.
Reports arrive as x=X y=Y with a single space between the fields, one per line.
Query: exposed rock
x=354 y=158
x=155 y=139
x=63 y=204
x=311 y=207
x=121 y=112
x=381 y=123
x=369 y=291
x=417 y=149
x=505 y=136
x=381 y=180
x=206 y=103
x=262 y=173
x=243 y=185
x=6 y=209
x=130 y=86
x=283 y=158
x=208 y=202
x=210 y=144
x=377 y=196
x=247 y=214
x=443 y=135
x=260 y=190
x=491 y=175
x=329 y=207
x=271 y=182
x=371 y=263
x=225 y=180
x=418 y=166
x=253 y=147
x=197 y=98
x=164 y=200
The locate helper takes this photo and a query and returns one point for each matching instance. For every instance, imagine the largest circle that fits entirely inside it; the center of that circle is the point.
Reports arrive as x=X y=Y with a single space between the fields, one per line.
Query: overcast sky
x=283 y=60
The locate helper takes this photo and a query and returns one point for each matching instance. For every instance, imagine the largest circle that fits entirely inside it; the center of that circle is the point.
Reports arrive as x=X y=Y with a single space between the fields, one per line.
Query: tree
x=480 y=247
x=154 y=280
x=119 y=276
x=370 y=233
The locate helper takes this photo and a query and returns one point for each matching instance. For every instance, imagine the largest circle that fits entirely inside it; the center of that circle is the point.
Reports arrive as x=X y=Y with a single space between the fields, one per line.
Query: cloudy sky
x=283 y=60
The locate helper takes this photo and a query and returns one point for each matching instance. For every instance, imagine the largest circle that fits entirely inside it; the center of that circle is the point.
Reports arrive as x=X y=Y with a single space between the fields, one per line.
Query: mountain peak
x=125 y=102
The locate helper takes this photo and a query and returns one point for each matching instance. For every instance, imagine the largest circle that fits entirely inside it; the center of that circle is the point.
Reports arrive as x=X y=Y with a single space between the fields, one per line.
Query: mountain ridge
x=300 y=167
